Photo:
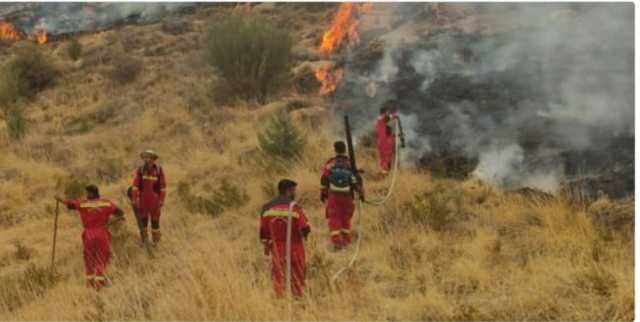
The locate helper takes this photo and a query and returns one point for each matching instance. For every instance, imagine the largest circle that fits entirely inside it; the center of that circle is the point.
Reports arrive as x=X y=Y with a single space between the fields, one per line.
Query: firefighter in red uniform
x=148 y=194
x=96 y=239
x=385 y=137
x=273 y=234
x=338 y=186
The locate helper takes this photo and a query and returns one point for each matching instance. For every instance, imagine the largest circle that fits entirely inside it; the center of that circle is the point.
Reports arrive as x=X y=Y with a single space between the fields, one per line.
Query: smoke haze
x=524 y=89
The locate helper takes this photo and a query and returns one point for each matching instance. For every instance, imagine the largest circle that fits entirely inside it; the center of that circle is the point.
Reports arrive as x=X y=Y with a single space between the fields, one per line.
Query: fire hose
x=378 y=202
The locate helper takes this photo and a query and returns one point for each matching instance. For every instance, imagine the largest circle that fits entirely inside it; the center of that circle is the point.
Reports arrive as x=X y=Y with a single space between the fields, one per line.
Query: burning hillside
x=38 y=21
x=520 y=90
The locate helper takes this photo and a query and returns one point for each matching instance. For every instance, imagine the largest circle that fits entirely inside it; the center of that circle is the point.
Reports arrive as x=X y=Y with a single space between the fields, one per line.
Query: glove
x=323 y=196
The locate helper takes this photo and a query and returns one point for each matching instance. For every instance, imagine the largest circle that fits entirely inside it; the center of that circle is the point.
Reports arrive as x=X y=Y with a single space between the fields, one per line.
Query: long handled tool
x=55 y=235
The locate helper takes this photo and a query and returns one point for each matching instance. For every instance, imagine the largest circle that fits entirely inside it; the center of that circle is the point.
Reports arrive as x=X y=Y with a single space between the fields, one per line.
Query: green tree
x=281 y=138
x=24 y=76
x=251 y=55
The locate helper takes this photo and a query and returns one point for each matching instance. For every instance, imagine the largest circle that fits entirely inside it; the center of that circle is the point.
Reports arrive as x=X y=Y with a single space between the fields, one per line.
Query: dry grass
x=498 y=257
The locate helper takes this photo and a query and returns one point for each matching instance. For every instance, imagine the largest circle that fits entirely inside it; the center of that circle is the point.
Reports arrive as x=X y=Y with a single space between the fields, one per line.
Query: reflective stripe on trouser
x=97 y=252
x=339 y=211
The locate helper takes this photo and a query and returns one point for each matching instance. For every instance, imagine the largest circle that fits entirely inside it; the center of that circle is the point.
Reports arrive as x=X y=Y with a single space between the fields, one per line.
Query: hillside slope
x=439 y=249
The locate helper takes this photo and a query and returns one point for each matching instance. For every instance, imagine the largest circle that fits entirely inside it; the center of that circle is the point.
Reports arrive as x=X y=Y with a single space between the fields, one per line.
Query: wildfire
x=329 y=79
x=344 y=27
x=343 y=30
x=9 y=32
x=40 y=36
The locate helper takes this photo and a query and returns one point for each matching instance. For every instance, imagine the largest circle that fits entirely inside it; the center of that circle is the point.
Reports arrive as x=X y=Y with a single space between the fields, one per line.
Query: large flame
x=344 y=27
x=9 y=32
x=343 y=30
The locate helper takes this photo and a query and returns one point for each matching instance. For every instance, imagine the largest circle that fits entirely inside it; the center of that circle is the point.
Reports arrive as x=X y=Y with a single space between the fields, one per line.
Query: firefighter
x=148 y=194
x=385 y=136
x=339 y=183
x=273 y=235
x=96 y=238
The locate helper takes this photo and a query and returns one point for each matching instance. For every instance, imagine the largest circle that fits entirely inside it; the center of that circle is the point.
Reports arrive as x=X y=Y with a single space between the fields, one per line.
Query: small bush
x=281 y=139
x=24 y=76
x=16 y=123
x=196 y=204
x=229 y=195
x=125 y=69
x=225 y=196
x=22 y=251
x=74 y=49
x=252 y=56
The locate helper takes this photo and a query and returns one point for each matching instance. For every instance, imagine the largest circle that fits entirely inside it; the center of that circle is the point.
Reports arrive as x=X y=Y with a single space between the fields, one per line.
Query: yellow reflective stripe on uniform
x=94 y=204
x=279 y=213
x=338 y=189
x=90 y=277
x=134 y=187
x=149 y=178
x=346 y=231
x=100 y=278
x=335 y=232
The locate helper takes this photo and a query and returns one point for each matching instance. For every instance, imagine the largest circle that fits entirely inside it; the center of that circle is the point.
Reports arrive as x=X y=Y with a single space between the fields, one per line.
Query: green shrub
x=230 y=196
x=281 y=139
x=24 y=76
x=196 y=204
x=251 y=55
x=16 y=123
x=74 y=49
x=125 y=69
x=22 y=251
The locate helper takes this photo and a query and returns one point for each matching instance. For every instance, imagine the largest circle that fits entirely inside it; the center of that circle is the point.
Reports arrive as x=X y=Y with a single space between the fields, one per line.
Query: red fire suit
x=149 y=190
x=385 y=140
x=273 y=234
x=339 y=204
x=96 y=238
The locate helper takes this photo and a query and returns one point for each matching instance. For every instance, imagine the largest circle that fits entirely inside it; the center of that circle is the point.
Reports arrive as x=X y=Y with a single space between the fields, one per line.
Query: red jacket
x=273 y=222
x=94 y=213
x=149 y=185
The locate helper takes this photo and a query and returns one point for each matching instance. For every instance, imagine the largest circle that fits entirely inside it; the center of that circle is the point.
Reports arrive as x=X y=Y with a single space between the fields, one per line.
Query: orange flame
x=9 y=32
x=329 y=79
x=344 y=27
x=40 y=36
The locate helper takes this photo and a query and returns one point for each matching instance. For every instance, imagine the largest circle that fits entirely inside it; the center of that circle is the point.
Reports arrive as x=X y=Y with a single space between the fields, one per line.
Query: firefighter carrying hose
x=96 y=238
x=339 y=183
x=273 y=235
x=148 y=195
x=385 y=136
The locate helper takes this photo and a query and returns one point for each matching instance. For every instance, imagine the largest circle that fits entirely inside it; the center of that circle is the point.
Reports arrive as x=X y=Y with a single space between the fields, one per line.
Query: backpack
x=341 y=175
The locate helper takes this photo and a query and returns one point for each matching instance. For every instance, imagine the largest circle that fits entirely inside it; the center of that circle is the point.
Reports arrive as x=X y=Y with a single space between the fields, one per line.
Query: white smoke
x=515 y=86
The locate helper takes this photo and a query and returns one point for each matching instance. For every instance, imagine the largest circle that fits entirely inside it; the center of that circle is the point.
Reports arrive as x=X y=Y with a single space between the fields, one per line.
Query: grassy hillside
x=439 y=249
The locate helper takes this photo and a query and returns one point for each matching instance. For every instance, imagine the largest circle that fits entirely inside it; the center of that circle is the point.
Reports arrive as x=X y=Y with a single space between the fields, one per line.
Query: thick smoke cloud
x=69 y=17
x=538 y=94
